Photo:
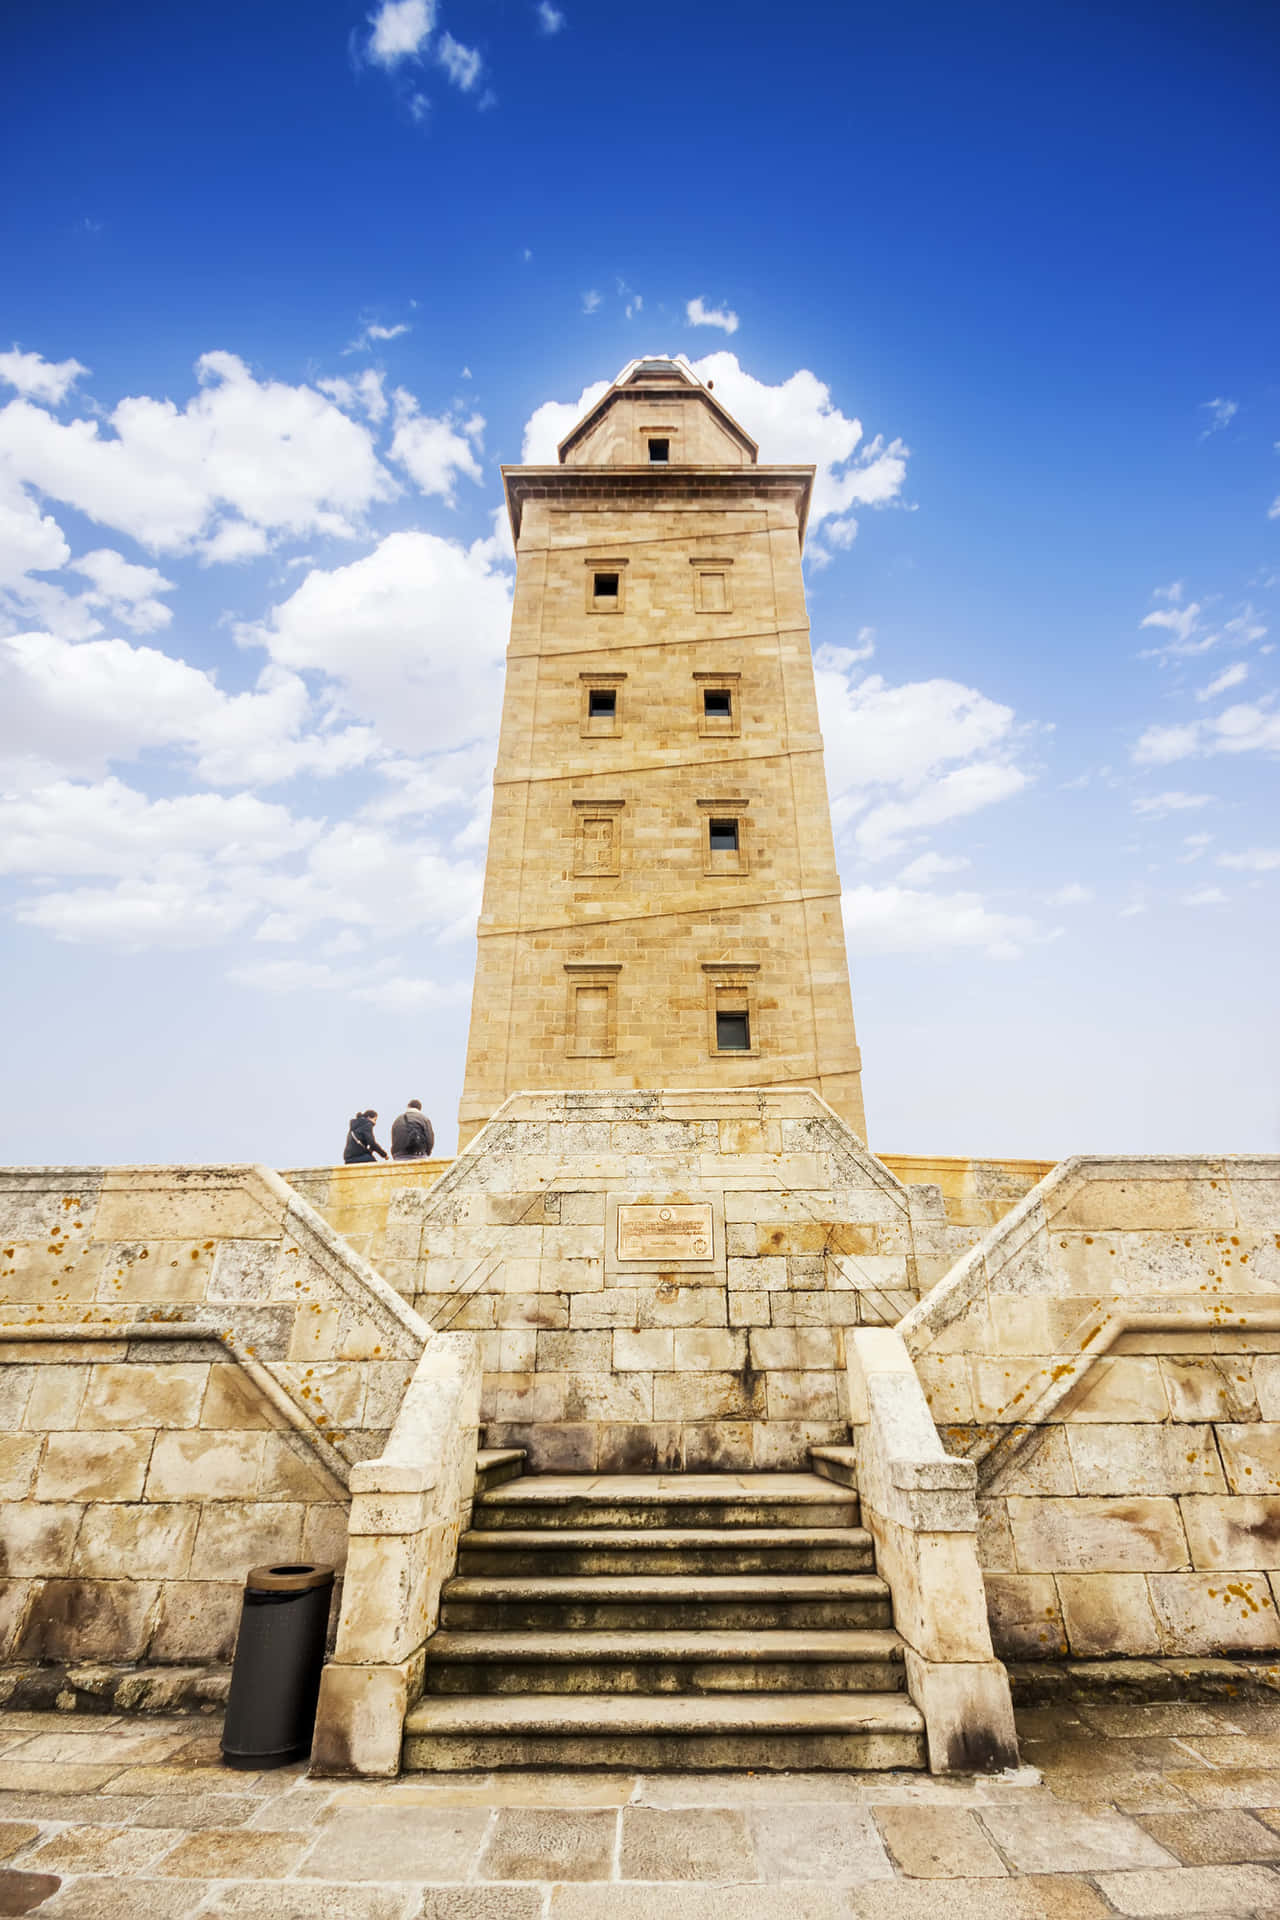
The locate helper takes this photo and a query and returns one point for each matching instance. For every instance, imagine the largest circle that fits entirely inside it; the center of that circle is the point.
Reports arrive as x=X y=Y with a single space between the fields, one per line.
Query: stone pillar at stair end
x=920 y=1507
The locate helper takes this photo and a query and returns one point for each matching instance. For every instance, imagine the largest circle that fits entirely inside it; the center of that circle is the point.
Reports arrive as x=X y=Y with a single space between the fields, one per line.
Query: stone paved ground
x=1170 y=1809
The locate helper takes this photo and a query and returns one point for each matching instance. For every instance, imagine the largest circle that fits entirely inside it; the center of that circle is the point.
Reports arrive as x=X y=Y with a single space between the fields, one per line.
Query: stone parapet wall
x=1109 y=1356
x=190 y=1363
x=596 y=1362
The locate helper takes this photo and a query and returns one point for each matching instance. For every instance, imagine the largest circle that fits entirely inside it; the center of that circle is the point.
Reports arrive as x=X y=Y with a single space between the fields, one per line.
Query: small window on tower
x=723 y=836
x=605 y=586
x=602 y=703
x=717 y=703
x=659 y=452
x=733 y=1032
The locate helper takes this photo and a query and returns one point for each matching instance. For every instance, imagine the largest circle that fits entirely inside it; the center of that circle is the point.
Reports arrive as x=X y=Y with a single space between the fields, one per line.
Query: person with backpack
x=412 y=1134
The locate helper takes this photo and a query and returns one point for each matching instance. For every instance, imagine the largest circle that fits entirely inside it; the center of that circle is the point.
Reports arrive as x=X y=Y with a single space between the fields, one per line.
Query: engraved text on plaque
x=665 y=1233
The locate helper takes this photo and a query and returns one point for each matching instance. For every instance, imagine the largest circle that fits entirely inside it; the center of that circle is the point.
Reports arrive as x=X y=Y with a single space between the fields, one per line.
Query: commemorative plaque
x=671 y=1233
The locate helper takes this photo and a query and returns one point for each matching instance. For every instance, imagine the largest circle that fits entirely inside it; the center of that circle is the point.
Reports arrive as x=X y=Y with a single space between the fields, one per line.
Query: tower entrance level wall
x=665 y=1280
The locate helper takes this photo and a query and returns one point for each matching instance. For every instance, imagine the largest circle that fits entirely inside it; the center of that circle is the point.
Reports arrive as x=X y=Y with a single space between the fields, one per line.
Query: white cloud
x=928 y=866
x=1155 y=806
x=400 y=30
x=963 y=791
x=1179 y=621
x=462 y=64
x=276 y=459
x=30 y=541
x=1205 y=897
x=1253 y=860
x=698 y=314
x=415 y=633
x=1190 y=636
x=1221 y=413
x=125 y=590
x=363 y=395
x=591 y=301
x=108 y=828
x=1230 y=677
x=1072 y=895
x=796 y=421
x=434 y=452
x=137 y=914
x=1248 y=727
x=896 y=919
x=906 y=739
x=76 y=708
x=371 y=334
x=550 y=19
x=39 y=379
x=548 y=424
x=1174 y=592
x=1159 y=746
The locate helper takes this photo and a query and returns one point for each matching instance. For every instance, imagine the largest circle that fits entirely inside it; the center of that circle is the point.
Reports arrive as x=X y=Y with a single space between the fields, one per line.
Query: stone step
x=495 y=1465
x=588 y=1550
x=604 y=1602
x=667 y=1500
x=870 y=1661
x=760 y=1732
x=836 y=1463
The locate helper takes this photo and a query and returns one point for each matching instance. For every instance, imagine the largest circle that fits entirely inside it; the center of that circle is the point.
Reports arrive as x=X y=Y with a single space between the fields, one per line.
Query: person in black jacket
x=361 y=1145
x=412 y=1134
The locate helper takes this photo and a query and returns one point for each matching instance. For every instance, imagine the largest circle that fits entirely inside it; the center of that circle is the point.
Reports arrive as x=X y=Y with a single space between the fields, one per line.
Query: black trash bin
x=275 y=1677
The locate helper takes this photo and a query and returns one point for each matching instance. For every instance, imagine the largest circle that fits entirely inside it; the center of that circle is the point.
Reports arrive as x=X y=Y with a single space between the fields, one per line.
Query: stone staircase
x=665 y=1621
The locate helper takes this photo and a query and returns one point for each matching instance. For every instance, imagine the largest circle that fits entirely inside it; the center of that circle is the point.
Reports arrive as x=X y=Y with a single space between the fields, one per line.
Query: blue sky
x=283 y=287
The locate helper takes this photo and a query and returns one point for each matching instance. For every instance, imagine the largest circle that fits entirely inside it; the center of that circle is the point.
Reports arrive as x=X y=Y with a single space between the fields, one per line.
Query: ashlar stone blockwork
x=729 y=1356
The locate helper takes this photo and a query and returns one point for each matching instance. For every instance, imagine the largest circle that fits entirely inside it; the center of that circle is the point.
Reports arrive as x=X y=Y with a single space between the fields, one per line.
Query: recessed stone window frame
x=718 y=726
x=600 y=725
x=647 y=430
x=724 y=861
x=597 y=856
x=732 y=988
x=712 y=583
x=603 y=568
x=591 y=1010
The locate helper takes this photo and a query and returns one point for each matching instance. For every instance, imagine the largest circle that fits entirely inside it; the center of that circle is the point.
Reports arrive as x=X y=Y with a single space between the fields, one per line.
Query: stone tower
x=661 y=903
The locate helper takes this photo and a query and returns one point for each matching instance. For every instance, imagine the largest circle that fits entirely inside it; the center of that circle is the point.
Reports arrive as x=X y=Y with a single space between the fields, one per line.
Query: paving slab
x=22 y=1892
x=482 y=1903
x=233 y=1853
x=825 y=1845
x=938 y=1843
x=697 y=1903
x=550 y=1843
x=1050 y=1838
x=396 y=1843
x=1214 y=1839
x=1047 y=1897
x=702 y=1843
x=1201 y=1890
x=97 y=1898
x=290 y=1901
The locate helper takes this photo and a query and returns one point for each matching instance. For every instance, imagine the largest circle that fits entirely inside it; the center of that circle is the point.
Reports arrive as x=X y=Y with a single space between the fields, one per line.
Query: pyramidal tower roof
x=658 y=377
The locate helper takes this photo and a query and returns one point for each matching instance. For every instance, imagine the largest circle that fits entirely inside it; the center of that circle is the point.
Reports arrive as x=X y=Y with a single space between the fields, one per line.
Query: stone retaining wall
x=190 y=1362
x=1110 y=1358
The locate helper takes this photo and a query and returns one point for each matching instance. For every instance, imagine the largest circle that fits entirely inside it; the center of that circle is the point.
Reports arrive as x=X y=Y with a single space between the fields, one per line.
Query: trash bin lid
x=288 y=1577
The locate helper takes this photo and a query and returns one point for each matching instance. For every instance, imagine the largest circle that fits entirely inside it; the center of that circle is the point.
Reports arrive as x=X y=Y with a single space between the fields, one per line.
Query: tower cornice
x=636 y=487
